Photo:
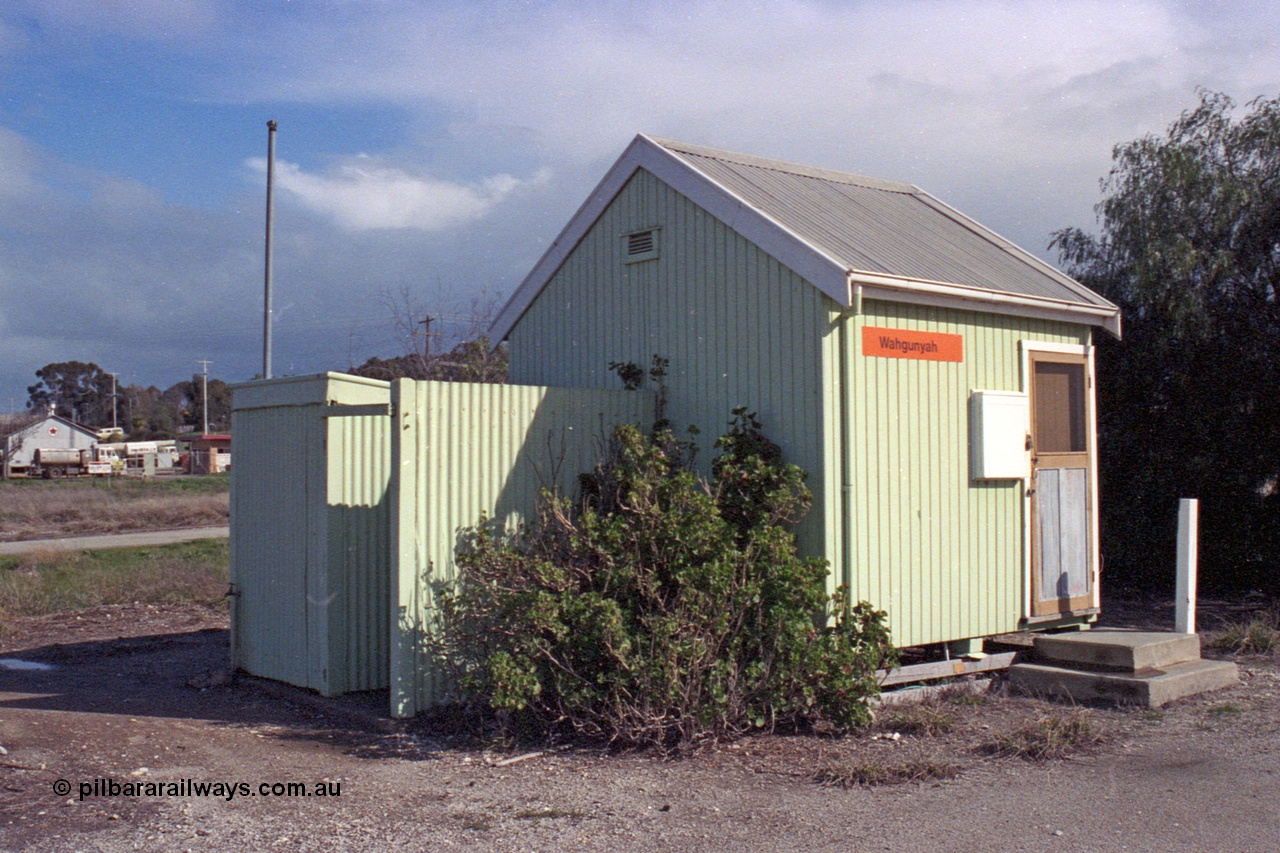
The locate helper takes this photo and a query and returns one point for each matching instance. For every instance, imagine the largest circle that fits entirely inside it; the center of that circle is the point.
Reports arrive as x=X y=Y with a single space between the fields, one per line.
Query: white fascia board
x=806 y=260
x=940 y=294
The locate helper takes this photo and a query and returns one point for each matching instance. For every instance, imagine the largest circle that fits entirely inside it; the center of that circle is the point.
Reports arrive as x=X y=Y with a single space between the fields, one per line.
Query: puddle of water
x=28 y=665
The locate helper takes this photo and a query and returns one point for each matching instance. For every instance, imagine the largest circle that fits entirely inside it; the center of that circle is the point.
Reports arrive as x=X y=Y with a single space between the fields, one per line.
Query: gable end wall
x=738 y=327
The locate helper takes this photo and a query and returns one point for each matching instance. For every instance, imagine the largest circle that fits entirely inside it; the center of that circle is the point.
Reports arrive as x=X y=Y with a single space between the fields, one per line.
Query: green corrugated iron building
x=935 y=380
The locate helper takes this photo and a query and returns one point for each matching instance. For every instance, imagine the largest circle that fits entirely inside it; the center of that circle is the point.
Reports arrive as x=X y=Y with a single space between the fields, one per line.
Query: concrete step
x=1149 y=688
x=1120 y=651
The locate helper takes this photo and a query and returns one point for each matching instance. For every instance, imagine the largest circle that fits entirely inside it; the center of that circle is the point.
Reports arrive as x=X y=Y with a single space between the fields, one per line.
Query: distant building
x=52 y=432
x=210 y=453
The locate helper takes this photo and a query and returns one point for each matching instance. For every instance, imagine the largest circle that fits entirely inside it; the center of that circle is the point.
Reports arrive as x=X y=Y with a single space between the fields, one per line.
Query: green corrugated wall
x=941 y=553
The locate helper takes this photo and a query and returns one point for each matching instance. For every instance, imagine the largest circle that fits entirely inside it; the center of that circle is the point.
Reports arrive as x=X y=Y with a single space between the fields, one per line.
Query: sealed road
x=114 y=540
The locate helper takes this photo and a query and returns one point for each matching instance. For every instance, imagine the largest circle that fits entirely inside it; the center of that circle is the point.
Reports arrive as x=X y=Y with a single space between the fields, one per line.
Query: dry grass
x=928 y=718
x=37 y=509
x=58 y=582
x=878 y=772
x=1052 y=736
x=1259 y=634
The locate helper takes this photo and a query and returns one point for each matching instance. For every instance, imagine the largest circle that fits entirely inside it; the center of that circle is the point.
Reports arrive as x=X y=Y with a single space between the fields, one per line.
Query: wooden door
x=1061 y=485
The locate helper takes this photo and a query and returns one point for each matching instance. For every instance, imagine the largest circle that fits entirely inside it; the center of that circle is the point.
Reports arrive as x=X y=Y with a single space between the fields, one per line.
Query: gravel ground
x=137 y=696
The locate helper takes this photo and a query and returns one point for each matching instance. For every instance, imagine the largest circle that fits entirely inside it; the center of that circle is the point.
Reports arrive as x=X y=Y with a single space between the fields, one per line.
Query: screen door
x=1061 y=498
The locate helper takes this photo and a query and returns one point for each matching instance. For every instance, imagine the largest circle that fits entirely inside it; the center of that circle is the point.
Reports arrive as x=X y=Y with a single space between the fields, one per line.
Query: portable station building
x=935 y=380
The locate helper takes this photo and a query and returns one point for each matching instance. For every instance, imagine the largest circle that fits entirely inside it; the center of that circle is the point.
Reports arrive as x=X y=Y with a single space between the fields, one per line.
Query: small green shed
x=348 y=498
x=935 y=380
x=311 y=554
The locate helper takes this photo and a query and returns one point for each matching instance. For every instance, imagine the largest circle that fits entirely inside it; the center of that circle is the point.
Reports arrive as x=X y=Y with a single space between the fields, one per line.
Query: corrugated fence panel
x=462 y=451
x=941 y=553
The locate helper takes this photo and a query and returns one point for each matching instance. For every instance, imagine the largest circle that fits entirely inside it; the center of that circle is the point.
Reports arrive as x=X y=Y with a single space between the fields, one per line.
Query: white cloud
x=925 y=91
x=963 y=98
x=580 y=72
x=362 y=194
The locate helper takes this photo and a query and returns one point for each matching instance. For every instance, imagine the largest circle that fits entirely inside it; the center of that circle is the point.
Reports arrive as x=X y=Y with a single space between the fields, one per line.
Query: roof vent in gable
x=641 y=245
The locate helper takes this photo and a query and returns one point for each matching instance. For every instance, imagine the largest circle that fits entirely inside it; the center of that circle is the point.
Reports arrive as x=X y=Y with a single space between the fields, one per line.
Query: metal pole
x=266 y=309
x=113 y=401
x=204 y=393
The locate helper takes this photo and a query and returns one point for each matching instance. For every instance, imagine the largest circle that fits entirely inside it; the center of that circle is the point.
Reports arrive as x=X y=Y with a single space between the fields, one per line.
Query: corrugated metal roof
x=838 y=231
x=881 y=227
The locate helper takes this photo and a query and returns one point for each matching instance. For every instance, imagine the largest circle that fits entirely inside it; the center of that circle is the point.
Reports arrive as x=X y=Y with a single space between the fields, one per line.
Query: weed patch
x=1258 y=635
x=875 y=773
x=923 y=719
x=1052 y=736
x=964 y=694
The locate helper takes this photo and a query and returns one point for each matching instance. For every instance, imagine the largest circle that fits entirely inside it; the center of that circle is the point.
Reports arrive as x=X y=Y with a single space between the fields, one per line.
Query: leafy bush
x=661 y=609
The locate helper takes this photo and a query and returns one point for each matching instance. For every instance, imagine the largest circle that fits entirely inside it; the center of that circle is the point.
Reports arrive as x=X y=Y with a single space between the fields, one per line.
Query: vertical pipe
x=266 y=306
x=1188 y=560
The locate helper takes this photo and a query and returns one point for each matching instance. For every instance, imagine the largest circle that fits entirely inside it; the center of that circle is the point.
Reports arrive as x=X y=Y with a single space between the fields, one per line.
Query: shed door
x=1061 y=500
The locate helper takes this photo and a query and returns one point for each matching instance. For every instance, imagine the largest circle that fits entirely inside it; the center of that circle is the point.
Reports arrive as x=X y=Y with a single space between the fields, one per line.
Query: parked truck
x=53 y=462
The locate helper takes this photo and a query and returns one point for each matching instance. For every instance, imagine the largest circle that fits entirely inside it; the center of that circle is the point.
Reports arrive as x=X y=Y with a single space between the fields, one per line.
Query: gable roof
x=848 y=235
x=22 y=433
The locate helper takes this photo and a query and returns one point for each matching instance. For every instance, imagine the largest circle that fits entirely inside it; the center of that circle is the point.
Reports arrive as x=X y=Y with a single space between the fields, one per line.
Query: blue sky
x=435 y=149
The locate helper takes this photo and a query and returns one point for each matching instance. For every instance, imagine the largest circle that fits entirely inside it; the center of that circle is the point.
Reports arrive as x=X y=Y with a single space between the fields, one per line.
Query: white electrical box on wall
x=999 y=422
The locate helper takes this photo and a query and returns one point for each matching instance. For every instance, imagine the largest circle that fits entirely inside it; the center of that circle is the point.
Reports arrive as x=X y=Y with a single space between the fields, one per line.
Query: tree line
x=1189 y=400
x=83 y=392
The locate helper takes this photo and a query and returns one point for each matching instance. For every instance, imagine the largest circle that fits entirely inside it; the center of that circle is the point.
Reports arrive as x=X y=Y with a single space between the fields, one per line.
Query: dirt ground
x=135 y=696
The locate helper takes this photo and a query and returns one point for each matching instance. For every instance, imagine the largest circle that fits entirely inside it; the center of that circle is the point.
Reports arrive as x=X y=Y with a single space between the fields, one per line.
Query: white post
x=1188 y=558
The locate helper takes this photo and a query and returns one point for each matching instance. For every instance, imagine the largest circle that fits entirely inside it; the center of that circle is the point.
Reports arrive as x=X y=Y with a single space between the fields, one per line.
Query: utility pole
x=266 y=304
x=113 y=401
x=204 y=393
x=427 y=333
